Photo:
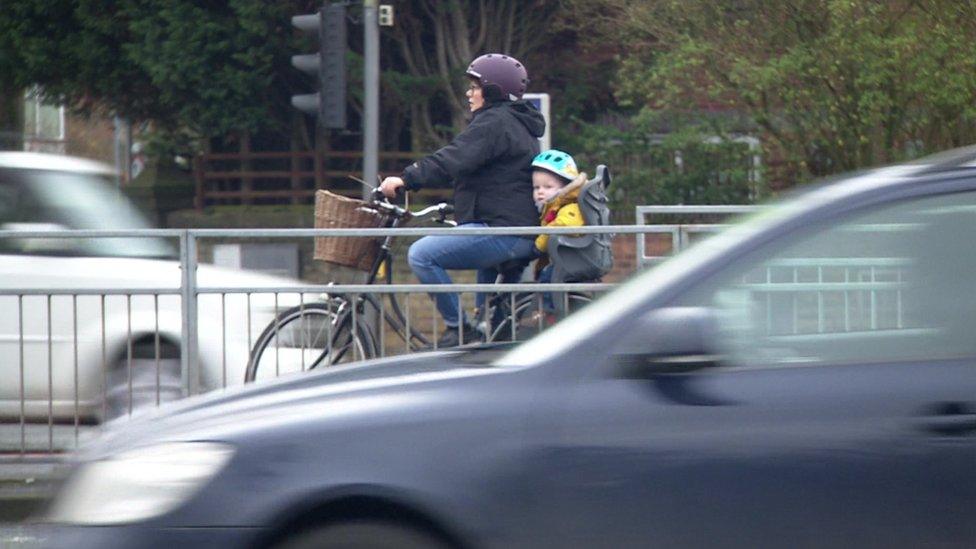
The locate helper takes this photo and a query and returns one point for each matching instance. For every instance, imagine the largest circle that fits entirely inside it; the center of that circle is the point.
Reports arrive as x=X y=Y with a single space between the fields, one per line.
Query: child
x=556 y=183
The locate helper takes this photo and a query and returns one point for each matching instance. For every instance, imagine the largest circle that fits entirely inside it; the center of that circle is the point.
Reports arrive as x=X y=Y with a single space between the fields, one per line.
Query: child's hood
x=567 y=195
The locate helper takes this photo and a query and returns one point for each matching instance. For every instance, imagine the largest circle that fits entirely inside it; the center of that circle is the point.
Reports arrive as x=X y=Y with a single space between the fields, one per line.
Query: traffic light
x=328 y=66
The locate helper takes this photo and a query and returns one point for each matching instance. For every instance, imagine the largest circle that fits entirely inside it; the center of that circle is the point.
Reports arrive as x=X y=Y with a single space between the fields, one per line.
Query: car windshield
x=51 y=200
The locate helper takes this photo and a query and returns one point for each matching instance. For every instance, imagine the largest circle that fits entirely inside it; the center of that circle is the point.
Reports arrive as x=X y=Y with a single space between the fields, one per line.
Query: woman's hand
x=390 y=185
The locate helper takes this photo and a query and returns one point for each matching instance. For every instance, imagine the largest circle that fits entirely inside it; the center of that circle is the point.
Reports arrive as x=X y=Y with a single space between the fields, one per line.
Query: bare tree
x=439 y=38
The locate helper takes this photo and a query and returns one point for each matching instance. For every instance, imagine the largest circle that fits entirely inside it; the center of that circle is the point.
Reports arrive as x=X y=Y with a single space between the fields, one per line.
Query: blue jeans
x=432 y=256
x=545 y=277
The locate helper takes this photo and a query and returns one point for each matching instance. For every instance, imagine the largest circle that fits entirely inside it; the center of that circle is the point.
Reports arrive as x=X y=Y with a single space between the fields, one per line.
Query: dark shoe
x=452 y=338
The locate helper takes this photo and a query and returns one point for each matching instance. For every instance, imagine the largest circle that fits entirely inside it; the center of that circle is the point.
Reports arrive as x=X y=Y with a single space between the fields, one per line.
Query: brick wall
x=90 y=138
x=625 y=253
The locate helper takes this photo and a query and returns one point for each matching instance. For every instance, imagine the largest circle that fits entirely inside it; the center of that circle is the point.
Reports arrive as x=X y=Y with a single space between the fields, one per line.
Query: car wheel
x=143 y=383
x=363 y=535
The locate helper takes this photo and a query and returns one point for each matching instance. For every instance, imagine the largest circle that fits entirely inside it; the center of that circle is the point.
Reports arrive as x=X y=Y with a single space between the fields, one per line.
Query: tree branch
x=478 y=43
x=509 y=27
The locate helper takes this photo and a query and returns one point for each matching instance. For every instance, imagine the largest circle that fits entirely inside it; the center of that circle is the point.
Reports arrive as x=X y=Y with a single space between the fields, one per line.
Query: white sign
x=541 y=102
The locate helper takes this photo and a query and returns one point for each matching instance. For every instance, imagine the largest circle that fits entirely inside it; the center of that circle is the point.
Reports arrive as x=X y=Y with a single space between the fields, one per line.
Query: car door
x=53 y=378
x=841 y=414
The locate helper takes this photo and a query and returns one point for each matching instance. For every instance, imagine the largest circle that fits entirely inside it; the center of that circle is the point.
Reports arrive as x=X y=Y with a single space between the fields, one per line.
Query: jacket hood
x=567 y=195
x=527 y=115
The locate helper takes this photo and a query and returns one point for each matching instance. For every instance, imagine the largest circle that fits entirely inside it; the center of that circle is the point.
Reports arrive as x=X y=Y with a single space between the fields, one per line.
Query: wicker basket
x=333 y=211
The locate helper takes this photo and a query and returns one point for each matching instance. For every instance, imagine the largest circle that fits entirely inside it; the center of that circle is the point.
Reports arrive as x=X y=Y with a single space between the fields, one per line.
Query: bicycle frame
x=398 y=320
x=346 y=313
x=499 y=306
x=385 y=253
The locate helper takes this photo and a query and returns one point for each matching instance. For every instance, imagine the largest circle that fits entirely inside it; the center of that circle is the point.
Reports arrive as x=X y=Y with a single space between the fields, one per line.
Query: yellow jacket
x=561 y=210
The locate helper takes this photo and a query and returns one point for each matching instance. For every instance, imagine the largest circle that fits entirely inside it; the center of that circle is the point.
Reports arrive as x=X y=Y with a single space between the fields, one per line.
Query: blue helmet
x=556 y=162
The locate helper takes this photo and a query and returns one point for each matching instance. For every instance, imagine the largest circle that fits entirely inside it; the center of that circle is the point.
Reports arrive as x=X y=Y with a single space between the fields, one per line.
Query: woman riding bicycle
x=490 y=166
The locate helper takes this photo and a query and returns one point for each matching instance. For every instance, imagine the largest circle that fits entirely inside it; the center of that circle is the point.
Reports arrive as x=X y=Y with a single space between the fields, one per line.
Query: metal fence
x=682 y=234
x=77 y=353
x=801 y=296
x=809 y=297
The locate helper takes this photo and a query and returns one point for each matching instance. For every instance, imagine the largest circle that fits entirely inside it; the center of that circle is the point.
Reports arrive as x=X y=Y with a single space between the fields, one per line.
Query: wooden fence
x=283 y=177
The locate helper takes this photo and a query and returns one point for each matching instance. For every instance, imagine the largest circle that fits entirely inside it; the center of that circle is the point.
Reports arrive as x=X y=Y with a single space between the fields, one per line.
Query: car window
x=50 y=200
x=17 y=203
x=892 y=284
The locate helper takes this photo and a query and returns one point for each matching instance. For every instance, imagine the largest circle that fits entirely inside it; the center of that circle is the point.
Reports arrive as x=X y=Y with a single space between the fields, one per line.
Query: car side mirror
x=669 y=340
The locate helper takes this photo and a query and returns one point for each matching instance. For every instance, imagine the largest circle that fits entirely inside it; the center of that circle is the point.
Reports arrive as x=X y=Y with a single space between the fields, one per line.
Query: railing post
x=319 y=158
x=639 y=239
x=188 y=286
x=247 y=182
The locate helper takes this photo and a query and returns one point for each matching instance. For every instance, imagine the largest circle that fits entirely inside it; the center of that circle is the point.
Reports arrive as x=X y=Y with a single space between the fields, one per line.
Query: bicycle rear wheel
x=531 y=316
x=309 y=336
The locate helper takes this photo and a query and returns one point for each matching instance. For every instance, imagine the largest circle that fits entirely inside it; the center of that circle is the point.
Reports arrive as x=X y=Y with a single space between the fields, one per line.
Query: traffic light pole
x=328 y=65
x=371 y=83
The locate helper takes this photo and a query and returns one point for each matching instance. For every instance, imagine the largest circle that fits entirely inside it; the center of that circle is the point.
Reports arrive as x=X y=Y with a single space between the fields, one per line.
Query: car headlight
x=139 y=484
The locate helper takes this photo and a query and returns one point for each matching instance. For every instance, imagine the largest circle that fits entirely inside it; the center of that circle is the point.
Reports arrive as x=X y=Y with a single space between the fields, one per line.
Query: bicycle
x=335 y=330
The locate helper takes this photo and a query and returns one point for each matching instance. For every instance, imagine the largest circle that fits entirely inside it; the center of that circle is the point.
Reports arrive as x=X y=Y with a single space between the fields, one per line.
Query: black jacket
x=490 y=164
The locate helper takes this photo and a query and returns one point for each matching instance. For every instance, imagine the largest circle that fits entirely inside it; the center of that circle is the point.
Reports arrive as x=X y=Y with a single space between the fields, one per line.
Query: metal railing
x=205 y=322
x=681 y=233
x=863 y=285
x=866 y=285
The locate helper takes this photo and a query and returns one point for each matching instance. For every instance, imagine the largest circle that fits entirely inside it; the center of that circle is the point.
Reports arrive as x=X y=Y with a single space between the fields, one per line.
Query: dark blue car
x=806 y=378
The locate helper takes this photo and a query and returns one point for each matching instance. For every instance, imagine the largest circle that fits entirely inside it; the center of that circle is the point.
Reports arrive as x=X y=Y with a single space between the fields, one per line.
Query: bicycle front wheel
x=306 y=337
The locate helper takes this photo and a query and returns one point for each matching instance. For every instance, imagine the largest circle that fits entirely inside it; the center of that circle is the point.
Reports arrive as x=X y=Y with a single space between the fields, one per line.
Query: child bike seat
x=586 y=257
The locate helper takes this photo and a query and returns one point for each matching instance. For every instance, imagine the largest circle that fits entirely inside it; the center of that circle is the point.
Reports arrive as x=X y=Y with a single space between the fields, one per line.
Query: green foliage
x=196 y=69
x=835 y=85
x=828 y=85
x=693 y=165
x=405 y=90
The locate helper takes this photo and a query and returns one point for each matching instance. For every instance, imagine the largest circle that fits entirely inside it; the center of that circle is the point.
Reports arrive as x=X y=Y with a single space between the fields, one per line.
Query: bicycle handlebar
x=442 y=210
x=379 y=201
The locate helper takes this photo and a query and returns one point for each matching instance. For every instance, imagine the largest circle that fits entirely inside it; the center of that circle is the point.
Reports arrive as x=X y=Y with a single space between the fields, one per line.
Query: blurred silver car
x=95 y=356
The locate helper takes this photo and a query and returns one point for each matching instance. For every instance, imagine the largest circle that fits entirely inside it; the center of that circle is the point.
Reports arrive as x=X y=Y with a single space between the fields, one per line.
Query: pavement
x=17 y=511
x=16 y=528
x=19 y=536
x=30 y=464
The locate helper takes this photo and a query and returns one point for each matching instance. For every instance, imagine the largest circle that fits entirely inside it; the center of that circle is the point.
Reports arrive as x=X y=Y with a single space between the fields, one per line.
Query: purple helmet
x=501 y=77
